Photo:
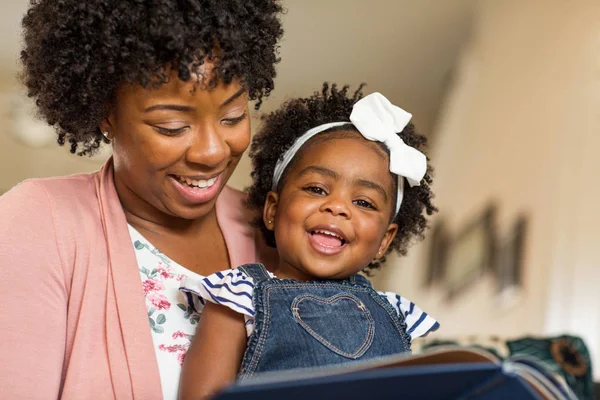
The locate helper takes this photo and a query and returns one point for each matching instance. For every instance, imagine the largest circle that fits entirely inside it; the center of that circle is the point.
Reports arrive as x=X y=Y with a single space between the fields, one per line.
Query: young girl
x=334 y=202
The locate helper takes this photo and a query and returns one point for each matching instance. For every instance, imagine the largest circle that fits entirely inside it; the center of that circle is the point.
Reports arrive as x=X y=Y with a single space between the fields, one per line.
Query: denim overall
x=319 y=323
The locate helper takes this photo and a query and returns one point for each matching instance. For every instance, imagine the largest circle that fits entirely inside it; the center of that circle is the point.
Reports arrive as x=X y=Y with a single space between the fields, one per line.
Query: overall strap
x=357 y=279
x=257 y=272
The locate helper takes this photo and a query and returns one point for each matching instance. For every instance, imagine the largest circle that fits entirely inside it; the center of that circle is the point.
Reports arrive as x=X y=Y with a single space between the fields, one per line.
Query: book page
x=547 y=387
x=436 y=356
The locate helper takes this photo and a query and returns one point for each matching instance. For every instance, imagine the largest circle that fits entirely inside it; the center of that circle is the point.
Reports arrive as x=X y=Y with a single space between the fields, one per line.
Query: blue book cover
x=446 y=373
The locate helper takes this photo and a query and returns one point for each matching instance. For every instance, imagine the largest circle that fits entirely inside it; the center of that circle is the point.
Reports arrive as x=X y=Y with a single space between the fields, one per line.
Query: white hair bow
x=377 y=120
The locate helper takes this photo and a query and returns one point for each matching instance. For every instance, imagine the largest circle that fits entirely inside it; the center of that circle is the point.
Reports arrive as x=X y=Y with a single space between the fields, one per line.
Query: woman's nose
x=208 y=148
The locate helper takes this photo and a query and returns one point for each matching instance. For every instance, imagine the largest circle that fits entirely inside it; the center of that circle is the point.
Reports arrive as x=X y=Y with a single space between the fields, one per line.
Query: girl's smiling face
x=331 y=218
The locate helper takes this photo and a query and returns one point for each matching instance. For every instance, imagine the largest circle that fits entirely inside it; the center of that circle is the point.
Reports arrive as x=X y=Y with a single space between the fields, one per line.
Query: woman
x=167 y=83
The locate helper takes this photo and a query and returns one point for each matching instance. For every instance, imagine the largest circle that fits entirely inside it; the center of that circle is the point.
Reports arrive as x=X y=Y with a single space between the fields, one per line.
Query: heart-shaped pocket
x=328 y=319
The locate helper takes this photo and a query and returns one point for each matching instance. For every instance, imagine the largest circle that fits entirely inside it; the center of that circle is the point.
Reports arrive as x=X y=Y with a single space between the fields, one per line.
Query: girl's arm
x=215 y=355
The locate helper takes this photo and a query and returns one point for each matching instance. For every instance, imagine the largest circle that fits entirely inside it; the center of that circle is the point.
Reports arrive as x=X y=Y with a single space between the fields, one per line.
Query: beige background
x=509 y=91
x=521 y=127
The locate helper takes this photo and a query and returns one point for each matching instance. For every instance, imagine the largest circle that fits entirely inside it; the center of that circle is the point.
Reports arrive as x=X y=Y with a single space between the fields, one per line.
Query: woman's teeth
x=201 y=183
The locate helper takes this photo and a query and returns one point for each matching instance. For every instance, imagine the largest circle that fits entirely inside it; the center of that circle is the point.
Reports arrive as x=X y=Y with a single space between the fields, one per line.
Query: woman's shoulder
x=45 y=215
x=57 y=190
x=62 y=198
x=236 y=222
x=231 y=202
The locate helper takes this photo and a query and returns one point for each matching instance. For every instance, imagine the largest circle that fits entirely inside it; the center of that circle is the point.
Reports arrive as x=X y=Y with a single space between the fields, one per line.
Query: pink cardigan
x=74 y=322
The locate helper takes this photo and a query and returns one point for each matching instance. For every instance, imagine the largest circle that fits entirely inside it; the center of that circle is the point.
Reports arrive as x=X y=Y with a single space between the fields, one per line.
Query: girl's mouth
x=327 y=242
x=327 y=239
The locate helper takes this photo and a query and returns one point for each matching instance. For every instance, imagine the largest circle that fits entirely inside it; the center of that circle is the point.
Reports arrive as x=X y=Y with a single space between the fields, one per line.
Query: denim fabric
x=314 y=324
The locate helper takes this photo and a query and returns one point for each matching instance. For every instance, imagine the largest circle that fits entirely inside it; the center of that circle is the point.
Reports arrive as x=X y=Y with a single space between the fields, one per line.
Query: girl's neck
x=288 y=271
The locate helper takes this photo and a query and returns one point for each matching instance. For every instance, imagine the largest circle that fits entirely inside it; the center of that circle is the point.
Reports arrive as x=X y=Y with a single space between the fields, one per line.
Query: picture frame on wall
x=471 y=252
x=509 y=271
x=438 y=246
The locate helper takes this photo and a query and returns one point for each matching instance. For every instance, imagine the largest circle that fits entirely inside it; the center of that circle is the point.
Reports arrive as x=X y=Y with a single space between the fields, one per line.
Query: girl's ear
x=270 y=210
x=389 y=235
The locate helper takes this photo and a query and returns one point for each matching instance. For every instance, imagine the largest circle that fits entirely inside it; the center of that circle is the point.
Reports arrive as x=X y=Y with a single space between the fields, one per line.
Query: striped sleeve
x=418 y=322
x=231 y=288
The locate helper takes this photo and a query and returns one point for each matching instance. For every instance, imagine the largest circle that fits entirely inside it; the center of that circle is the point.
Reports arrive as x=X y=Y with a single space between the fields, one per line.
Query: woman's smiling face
x=175 y=147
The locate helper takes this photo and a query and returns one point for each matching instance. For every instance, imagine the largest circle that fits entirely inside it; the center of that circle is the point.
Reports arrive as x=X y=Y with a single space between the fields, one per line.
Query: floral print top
x=172 y=322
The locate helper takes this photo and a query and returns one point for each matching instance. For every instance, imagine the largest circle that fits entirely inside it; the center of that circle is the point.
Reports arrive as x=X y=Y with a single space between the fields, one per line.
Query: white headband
x=377 y=120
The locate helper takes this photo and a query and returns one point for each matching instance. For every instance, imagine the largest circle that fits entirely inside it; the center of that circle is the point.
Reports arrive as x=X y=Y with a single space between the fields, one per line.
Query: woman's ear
x=389 y=235
x=107 y=124
x=270 y=210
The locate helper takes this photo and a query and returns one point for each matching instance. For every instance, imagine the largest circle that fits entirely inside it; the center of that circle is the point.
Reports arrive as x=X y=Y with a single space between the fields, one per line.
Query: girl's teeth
x=328 y=233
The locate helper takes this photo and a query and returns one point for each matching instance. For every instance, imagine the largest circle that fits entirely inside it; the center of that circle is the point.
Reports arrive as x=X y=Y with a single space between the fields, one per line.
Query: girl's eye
x=170 y=132
x=316 y=190
x=234 y=121
x=364 y=204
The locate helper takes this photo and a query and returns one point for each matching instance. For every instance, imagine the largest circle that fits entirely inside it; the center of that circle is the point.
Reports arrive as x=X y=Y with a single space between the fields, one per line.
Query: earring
x=269 y=222
x=106 y=135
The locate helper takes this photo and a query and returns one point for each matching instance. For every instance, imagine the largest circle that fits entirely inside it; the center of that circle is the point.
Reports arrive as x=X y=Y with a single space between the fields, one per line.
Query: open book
x=444 y=372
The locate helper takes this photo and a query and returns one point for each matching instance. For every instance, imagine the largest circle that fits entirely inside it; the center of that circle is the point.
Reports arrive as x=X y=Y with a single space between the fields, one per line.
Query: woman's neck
x=146 y=217
x=158 y=224
x=198 y=244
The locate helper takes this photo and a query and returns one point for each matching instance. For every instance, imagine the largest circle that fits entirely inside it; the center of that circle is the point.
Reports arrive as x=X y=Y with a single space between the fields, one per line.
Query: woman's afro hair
x=78 y=52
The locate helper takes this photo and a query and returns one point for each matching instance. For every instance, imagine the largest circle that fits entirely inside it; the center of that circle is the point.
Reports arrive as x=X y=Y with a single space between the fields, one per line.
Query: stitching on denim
x=257 y=340
x=261 y=330
x=290 y=284
x=257 y=272
x=398 y=321
x=330 y=300
x=360 y=280
x=262 y=340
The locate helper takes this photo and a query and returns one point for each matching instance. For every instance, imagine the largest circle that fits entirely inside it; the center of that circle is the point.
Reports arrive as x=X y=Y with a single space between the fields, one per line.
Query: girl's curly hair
x=78 y=52
x=280 y=130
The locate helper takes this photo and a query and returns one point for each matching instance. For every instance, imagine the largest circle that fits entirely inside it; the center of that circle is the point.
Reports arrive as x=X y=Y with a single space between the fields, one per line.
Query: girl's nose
x=337 y=207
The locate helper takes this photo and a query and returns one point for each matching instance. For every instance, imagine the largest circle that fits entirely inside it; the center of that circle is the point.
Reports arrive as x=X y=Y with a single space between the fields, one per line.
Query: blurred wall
x=521 y=127
x=19 y=162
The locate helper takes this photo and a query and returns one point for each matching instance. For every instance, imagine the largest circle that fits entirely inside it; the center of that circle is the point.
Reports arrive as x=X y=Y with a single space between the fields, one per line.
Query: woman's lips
x=196 y=191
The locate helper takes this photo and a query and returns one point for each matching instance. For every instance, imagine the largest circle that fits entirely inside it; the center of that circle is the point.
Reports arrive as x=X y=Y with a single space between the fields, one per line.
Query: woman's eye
x=364 y=204
x=233 y=121
x=315 y=190
x=170 y=131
